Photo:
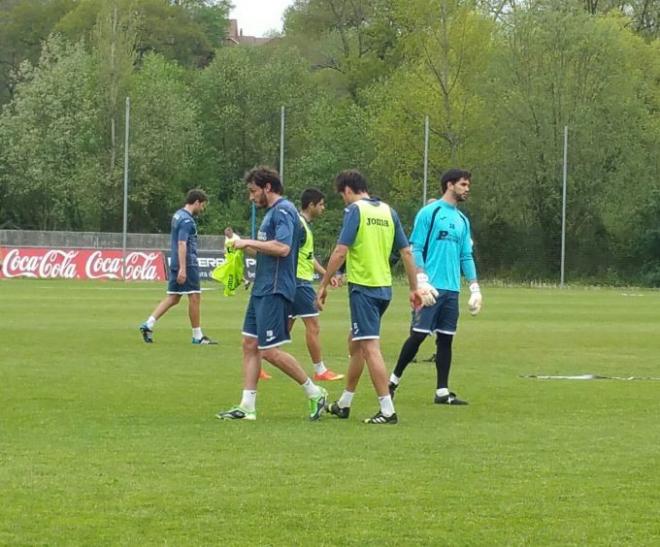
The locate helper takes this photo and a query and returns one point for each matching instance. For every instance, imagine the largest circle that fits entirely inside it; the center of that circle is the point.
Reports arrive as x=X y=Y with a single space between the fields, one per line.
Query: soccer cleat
x=327 y=376
x=237 y=413
x=381 y=419
x=147 y=333
x=341 y=412
x=317 y=405
x=450 y=399
x=392 y=387
x=263 y=375
x=204 y=341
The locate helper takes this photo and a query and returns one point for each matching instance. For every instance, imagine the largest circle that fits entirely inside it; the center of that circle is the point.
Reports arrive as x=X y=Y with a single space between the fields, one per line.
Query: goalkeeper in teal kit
x=442 y=247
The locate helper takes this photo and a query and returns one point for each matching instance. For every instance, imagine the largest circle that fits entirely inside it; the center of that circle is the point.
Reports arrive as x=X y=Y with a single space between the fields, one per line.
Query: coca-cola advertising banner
x=47 y=263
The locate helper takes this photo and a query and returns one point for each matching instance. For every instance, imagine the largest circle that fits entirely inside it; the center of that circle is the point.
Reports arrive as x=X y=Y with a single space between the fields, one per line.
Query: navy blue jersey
x=184 y=228
x=277 y=274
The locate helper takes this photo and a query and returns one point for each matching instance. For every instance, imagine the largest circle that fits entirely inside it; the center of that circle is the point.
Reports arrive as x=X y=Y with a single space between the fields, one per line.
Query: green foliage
x=24 y=25
x=499 y=81
x=164 y=143
x=50 y=143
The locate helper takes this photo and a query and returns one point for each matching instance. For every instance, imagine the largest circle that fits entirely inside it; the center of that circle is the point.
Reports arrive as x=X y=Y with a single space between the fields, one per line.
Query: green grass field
x=105 y=440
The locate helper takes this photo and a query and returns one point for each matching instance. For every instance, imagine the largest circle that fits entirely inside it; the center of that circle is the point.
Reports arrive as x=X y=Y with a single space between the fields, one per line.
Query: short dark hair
x=262 y=175
x=352 y=178
x=196 y=195
x=311 y=196
x=453 y=176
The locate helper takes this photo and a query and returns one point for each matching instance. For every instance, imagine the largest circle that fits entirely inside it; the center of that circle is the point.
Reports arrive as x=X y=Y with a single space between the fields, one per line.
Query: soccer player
x=266 y=325
x=312 y=203
x=184 y=270
x=370 y=230
x=442 y=247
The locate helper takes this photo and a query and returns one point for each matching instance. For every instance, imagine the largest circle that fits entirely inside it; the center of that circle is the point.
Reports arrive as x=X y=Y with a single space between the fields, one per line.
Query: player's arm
x=418 y=239
x=182 y=248
x=347 y=236
x=272 y=247
x=337 y=258
x=186 y=228
x=469 y=269
x=281 y=244
x=402 y=245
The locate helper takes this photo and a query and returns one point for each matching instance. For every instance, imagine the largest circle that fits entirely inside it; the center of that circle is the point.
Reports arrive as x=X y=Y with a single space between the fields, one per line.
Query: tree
x=48 y=159
x=24 y=25
x=164 y=143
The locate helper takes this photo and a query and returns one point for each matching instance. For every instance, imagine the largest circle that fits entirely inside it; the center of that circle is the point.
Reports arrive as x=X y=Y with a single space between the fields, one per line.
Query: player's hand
x=415 y=298
x=321 y=295
x=476 y=300
x=427 y=292
x=181 y=277
x=240 y=244
x=335 y=281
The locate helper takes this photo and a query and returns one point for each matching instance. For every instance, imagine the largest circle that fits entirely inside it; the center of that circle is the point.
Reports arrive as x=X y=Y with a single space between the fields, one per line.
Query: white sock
x=319 y=368
x=151 y=322
x=197 y=333
x=442 y=392
x=249 y=400
x=386 y=405
x=311 y=389
x=394 y=379
x=346 y=399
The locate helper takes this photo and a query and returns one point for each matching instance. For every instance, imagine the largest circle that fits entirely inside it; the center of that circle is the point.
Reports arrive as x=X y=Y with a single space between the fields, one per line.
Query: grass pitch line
x=588 y=377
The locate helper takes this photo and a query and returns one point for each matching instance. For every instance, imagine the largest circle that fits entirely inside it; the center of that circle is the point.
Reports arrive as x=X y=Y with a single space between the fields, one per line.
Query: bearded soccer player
x=184 y=270
x=266 y=325
x=442 y=247
x=370 y=230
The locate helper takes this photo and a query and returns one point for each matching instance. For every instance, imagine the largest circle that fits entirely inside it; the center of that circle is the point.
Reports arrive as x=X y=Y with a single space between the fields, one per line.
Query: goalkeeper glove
x=474 y=304
x=427 y=291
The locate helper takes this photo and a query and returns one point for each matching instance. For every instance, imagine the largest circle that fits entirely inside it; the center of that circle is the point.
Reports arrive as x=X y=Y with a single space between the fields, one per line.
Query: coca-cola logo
x=52 y=264
x=99 y=266
x=40 y=263
x=139 y=266
x=142 y=266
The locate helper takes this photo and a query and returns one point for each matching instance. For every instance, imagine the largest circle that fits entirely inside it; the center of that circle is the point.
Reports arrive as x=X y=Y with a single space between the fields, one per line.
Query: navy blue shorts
x=442 y=317
x=304 y=303
x=267 y=320
x=191 y=286
x=366 y=312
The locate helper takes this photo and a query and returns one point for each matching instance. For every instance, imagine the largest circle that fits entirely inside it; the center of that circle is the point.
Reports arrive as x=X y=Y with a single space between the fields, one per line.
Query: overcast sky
x=257 y=17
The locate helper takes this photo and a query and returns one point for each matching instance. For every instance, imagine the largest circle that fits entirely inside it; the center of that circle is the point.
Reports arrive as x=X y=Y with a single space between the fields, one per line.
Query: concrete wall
x=98 y=240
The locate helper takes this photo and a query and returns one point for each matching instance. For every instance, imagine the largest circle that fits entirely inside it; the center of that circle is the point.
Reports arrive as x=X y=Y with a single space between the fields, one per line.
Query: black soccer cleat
x=381 y=419
x=204 y=341
x=392 y=387
x=341 y=412
x=147 y=333
x=450 y=399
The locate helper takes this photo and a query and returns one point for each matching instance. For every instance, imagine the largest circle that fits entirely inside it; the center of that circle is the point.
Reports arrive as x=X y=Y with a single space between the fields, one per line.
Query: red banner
x=47 y=263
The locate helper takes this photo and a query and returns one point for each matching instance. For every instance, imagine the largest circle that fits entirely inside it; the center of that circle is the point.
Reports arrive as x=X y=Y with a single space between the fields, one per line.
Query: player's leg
x=246 y=410
x=366 y=314
x=304 y=307
x=408 y=352
x=194 y=291
x=313 y=341
x=445 y=331
x=147 y=328
x=342 y=406
x=272 y=329
x=421 y=326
